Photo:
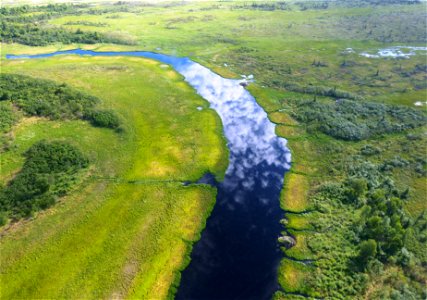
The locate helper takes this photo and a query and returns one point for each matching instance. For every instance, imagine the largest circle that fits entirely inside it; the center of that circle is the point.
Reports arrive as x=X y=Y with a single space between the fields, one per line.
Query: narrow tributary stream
x=238 y=253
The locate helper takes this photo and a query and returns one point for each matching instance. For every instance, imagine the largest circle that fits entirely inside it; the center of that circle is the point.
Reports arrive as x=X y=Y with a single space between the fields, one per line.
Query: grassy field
x=116 y=235
x=287 y=51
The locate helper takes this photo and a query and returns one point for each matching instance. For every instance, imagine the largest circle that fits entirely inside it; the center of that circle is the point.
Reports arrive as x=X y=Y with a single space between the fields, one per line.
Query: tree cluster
x=357 y=120
x=35 y=35
x=317 y=90
x=7 y=116
x=49 y=171
x=19 y=26
x=45 y=98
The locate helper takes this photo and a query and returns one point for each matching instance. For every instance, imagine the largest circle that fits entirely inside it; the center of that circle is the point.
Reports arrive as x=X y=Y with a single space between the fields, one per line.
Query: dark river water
x=238 y=254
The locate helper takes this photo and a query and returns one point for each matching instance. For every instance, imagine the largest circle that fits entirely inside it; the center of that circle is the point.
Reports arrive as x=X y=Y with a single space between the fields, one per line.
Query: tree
x=355 y=189
x=367 y=251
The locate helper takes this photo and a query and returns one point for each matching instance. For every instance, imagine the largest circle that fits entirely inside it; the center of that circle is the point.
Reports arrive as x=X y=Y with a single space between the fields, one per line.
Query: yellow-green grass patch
x=293 y=276
x=270 y=99
x=281 y=118
x=301 y=250
x=290 y=132
x=299 y=221
x=294 y=194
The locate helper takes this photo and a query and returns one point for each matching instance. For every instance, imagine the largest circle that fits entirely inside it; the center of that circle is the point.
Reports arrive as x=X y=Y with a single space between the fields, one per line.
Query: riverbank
x=111 y=237
x=293 y=270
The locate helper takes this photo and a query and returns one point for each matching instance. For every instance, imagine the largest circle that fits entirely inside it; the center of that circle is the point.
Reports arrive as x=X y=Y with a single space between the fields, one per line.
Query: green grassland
x=287 y=51
x=117 y=234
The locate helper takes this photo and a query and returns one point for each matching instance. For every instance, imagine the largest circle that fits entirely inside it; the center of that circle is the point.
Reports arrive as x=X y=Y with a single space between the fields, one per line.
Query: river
x=238 y=254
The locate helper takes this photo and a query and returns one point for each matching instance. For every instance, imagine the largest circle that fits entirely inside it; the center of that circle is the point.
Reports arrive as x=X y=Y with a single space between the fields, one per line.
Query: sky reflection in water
x=238 y=255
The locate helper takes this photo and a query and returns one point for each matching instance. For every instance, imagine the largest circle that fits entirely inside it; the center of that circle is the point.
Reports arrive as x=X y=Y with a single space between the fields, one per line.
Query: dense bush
x=385 y=222
x=38 y=97
x=104 y=118
x=355 y=120
x=48 y=172
x=382 y=217
x=317 y=90
x=367 y=251
x=7 y=116
x=355 y=189
x=362 y=230
x=36 y=35
x=54 y=157
x=18 y=26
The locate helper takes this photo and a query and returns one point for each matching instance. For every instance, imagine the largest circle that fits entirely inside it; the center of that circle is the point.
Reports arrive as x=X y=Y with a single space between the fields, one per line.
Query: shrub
x=104 y=118
x=369 y=150
x=367 y=251
x=356 y=120
x=38 y=97
x=35 y=187
x=355 y=189
x=7 y=116
x=19 y=26
x=54 y=157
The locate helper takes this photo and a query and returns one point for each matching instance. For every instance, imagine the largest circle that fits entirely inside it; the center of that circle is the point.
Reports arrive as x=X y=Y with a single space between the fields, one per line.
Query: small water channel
x=238 y=254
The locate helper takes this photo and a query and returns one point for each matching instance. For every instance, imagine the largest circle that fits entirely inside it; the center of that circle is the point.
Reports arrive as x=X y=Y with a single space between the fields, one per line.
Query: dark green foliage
x=3 y=219
x=7 y=116
x=317 y=90
x=54 y=157
x=416 y=238
x=368 y=250
x=47 y=167
x=35 y=35
x=29 y=29
x=104 y=118
x=87 y=23
x=355 y=189
x=362 y=229
x=38 y=97
x=384 y=220
x=354 y=120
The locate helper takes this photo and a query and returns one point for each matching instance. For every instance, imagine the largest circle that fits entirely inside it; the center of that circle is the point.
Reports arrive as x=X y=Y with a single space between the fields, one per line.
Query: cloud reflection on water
x=250 y=135
x=240 y=239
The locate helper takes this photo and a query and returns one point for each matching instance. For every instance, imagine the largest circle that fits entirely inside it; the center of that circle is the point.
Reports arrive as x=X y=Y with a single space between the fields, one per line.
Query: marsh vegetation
x=354 y=198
